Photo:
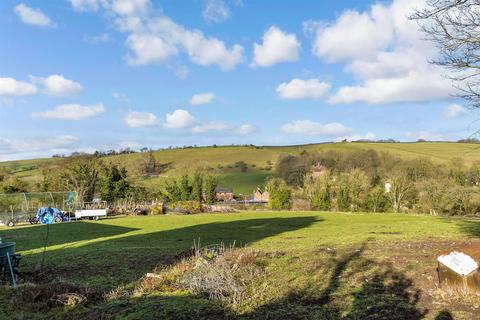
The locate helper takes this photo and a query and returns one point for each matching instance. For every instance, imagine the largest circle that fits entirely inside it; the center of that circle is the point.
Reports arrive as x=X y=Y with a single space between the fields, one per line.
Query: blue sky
x=100 y=74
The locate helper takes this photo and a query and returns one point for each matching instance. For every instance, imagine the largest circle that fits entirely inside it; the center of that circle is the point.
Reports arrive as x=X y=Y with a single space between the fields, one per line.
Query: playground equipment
x=9 y=263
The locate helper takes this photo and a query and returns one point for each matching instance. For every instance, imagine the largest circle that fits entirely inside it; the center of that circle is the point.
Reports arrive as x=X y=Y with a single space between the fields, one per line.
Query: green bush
x=280 y=199
x=377 y=200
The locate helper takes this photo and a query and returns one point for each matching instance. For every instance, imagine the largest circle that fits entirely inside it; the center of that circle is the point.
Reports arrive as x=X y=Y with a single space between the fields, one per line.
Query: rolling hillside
x=260 y=160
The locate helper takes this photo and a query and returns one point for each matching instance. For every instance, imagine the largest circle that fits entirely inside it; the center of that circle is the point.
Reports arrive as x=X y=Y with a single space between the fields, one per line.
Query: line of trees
x=370 y=181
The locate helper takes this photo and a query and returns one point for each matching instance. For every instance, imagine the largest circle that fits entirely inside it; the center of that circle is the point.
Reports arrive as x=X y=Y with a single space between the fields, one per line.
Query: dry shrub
x=225 y=273
x=299 y=204
x=233 y=276
x=51 y=295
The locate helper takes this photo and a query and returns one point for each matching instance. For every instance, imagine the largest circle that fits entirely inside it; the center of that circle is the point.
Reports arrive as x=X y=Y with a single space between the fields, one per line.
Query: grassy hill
x=259 y=160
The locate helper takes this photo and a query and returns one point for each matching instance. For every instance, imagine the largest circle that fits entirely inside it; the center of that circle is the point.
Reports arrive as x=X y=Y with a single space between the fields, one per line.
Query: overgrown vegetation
x=366 y=180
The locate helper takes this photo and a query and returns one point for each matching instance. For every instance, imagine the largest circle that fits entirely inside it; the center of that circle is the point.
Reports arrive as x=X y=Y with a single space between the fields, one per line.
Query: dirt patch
x=417 y=260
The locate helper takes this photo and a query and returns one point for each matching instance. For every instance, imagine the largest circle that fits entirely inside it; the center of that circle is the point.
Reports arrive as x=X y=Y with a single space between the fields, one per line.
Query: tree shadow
x=385 y=294
x=444 y=315
x=29 y=238
x=381 y=293
x=470 y=227
x=110 y=263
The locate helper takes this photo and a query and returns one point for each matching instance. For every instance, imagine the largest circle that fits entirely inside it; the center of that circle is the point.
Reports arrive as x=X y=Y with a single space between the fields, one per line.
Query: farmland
x=316 y=266
x=259 y=160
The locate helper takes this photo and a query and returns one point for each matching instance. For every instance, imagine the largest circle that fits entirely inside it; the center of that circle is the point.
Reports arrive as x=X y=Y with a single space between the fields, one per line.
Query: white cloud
x=277 y=46
x=409 y=88
x=153 y=38
x=303 y=89
x=130 y=7
x=202 y=98
x=58 y=85
x=135 y=119
x=425 y=135
x=149 y=49
x=215 y=11
x=353 y=35
x=72 y=112
x=13 y=149
x=179 y=119
x=33 y=16
x=385 y=52
x=455 y=110
x=308 y=127
x=210 y=126
x=12 y=87
x=86 y=5
x=245 y=129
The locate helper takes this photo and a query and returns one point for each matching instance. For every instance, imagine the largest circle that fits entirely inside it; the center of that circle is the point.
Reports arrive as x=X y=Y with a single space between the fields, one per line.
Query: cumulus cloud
x=202 y=98
x=179 y=119
x=154 y=38
x=135 y=119
x=308 y=127
x=215 y=11
x=57 y=85
x=12 y=87
x=210 y=126
x=409 y=88
x=353 y=35
x=245 y=129
x=149 y=49
x=33 y=16
x=72 y=112
x=303 y=89
x=455 y=110
x=277 y=47
x=384 y=51
x=130 y=7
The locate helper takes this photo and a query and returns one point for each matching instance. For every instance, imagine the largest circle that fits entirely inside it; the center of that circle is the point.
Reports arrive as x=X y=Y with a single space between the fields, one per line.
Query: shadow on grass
x=470 y=227
x=384 y=294
x=109 y=263
x=33 y=237
x=356 y=288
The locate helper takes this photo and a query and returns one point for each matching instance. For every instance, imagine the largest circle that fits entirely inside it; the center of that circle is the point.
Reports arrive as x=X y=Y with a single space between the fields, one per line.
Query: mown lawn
x=319 y=266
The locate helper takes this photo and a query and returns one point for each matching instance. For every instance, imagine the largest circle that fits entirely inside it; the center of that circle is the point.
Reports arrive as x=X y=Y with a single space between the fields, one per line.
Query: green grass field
x=219 y=159
x=318 y=266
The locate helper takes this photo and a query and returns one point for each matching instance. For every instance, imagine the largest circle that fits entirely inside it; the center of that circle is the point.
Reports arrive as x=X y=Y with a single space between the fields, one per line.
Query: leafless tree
x=454 y=27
